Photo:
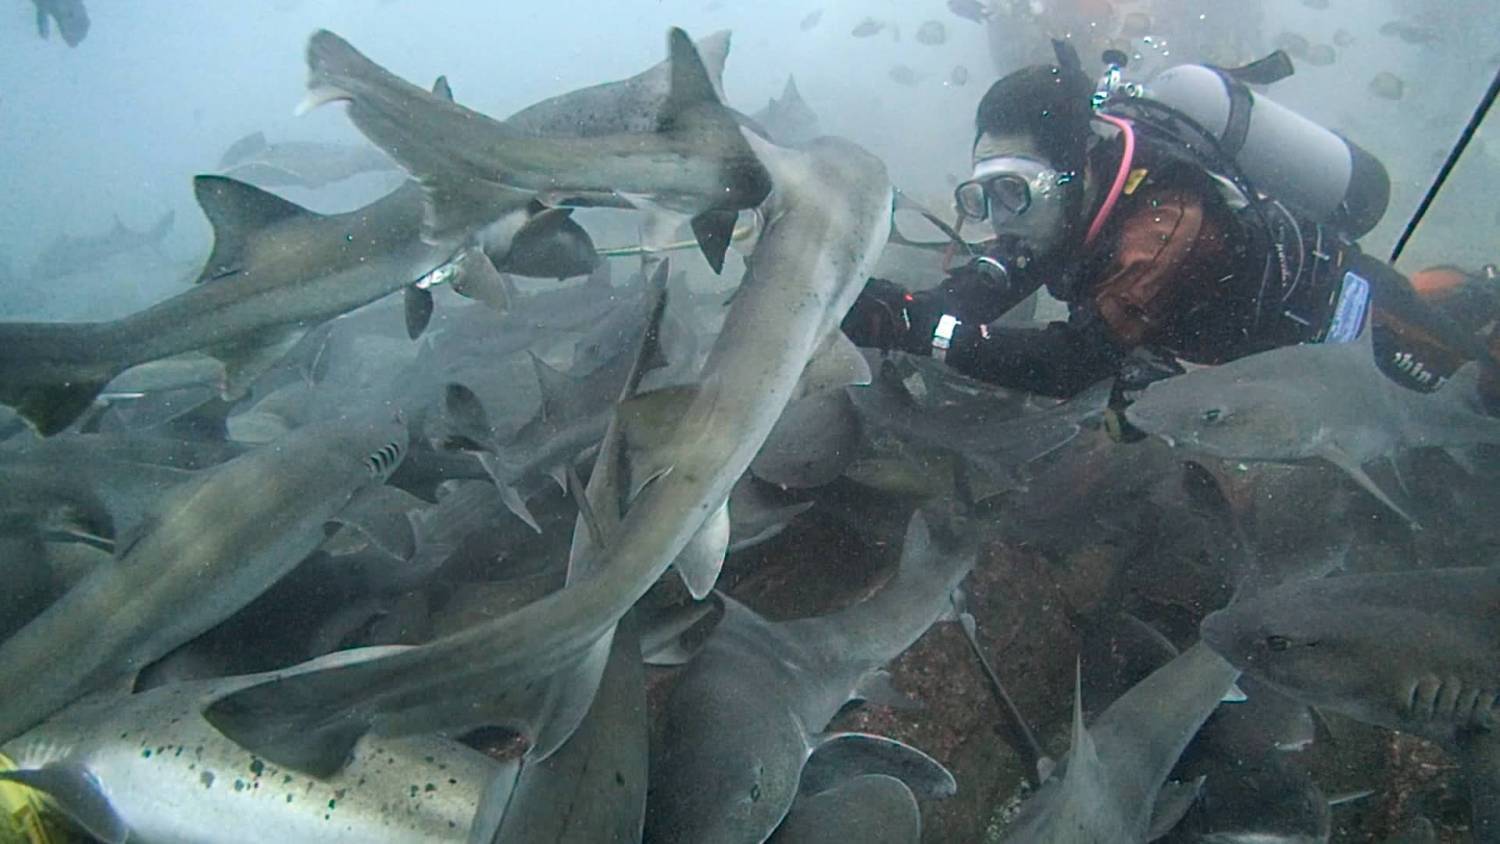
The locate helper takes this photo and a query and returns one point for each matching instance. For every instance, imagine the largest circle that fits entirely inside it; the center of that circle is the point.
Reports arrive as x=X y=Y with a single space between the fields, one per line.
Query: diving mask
x=1008 y=187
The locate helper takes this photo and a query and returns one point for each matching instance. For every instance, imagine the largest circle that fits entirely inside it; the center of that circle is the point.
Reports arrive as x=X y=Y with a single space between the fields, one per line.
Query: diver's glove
x=886 y=317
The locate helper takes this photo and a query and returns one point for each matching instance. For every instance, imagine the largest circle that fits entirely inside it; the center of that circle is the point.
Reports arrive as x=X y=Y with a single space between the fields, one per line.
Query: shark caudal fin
x=75 y=377
x=693 y=106
x=237 y=212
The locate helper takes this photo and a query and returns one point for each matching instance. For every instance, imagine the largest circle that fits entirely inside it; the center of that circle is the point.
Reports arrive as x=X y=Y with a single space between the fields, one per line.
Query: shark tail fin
x=693 y=103
x=237 y=211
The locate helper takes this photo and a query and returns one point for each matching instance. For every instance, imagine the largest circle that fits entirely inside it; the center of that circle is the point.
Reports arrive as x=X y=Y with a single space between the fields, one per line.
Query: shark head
x=1212 y=412
x=1316 y=648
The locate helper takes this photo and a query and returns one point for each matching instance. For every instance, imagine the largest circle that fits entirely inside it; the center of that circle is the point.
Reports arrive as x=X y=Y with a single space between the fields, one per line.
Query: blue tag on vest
x=1349 y=313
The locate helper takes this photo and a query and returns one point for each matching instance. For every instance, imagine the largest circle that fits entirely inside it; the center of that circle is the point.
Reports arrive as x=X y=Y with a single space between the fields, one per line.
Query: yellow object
x=24 y=817
x=1134 y=180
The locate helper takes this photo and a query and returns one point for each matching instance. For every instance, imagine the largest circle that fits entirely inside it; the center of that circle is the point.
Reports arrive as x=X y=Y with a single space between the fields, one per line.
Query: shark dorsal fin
x=790 y=95
x=691 y=85
x=557 y=388
x=237 y=212
x=440 y=88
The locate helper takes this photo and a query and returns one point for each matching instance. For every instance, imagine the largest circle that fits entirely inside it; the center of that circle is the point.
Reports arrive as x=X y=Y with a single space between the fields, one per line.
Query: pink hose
x=1119 y=186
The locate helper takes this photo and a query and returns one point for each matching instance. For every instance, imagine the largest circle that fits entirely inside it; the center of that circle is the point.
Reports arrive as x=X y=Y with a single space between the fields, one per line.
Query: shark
x=304 y=164
x=827 y=220
x=147 y=767
x=788 y=120
x=276 y=271
x=984 y=429
x=626 y=106
x=71 y=17
x=1324 y=402
x=874 y=808
x=70 y=254
x=209 y=547
x=743 y=728
x=1416 y=651
x=476 y=169
x=1111 y=786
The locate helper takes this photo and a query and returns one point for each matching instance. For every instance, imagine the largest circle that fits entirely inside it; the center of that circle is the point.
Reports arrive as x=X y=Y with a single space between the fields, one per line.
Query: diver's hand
x=886 y=317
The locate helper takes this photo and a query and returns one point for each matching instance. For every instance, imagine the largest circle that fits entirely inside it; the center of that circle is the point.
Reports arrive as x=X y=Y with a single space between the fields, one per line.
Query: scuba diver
x=1170 y=241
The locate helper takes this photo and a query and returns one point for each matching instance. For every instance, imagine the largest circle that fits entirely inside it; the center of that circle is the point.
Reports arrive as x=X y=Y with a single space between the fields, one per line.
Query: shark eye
x=1213 y=414
x=1278 y=643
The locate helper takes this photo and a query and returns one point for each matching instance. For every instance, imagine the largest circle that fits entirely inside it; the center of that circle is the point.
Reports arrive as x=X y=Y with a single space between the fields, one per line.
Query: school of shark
x=642 y=469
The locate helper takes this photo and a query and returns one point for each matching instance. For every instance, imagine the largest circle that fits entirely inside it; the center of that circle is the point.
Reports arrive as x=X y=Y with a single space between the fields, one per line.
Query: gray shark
x=788 y=120
x=1114 y=775
x=69 y=254
x=209 y=548
x=1413 y=651
x=304 y=164
x=627 y=106
x=1416 y=651
x=984 y=429
x=89 y=488
x=1306 y=402
x=147 y=767
x=276 y=271
x=871 y=809
x=72 y=19
x=827 y=220
x=573 y=415
x=747 y=715
x=476 y=169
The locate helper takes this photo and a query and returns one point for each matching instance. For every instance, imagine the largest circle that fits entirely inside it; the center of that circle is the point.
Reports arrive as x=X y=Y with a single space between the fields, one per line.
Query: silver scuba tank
x=1311 y=169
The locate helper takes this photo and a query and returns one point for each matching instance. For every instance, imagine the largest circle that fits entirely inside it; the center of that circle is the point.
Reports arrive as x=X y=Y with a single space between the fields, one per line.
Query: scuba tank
x=1311 y=169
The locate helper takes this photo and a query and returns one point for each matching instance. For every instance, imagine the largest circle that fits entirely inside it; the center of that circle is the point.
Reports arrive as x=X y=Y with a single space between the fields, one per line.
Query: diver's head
x=1031 y=138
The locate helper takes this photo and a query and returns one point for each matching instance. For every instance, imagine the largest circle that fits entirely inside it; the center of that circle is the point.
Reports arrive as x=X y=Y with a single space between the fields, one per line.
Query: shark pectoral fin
x=1234 y=695
x=466 y=416
x=714 y=230
x=88 y=523
x=663 y=632
x=701 y=560
x=251 y=357
x=876 y=688
x=513 y=502
x=1351 y=467
x=77 y=792
x=238 y=213
x=252 y=144
x=1172 y=803
x=418 y=303
x=842 y=756
x=382 y=515
x=552 y=245
x=836 y=363
x=49 y=408
x=475 y=276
